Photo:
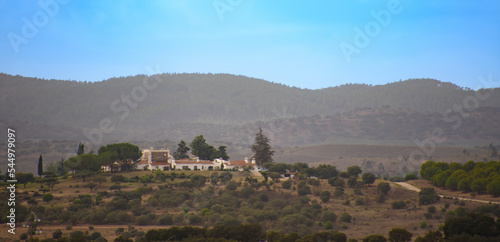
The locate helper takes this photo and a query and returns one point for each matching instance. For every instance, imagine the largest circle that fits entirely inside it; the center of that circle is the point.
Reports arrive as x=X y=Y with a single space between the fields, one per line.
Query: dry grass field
x=368 y=216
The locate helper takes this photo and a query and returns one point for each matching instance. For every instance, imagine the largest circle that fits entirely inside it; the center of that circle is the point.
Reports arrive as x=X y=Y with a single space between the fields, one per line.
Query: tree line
x=199 y=147
x=473 y=177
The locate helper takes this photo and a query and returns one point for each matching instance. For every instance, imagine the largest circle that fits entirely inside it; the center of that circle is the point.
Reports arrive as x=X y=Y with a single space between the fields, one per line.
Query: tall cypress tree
x=40 y=166
x=81 y=149
x=262 y=149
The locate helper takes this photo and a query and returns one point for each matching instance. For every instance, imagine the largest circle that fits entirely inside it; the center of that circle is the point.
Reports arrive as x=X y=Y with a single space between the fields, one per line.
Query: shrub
x=450 y=214
x=397 y=179
x=384 y=187
x=339 y=191
x=345 y=217
x=47 y=197
x=460 y=212
x=77 y=236
x=399 y=235
x=179 y=219
x=95 y=235
x=398 y=205
x=352 y=181
x=143 y=220
x=328 y=225
x=493 y=188
x=328 y=216
x=119 y=231
x=374 y=238
x=325 y=196
x=304 y=190
x=199 y=180
x=263 y=197
x=336 y=182
x=247 y=191
x=119 y=217
x=23 y=236
x=118 y=178
x=301 y=184
x=423 y=225
x=368 y=178
x=166 y=219
x=286 y=184
x=195 y=219
x=427 y=196
x=314 y=182
x=411 y=176
x=344 y=174
x=57 y=234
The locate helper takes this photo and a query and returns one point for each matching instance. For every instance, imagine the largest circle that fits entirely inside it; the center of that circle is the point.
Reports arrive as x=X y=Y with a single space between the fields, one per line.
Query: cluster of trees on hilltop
x=200 y=148
x=86 y=164
x=475 y=177
x=83 y=164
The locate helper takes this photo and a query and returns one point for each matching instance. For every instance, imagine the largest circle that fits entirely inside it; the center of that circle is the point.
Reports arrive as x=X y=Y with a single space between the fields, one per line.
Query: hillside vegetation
x=224 y=107
x=137 y=204
x=471 y=177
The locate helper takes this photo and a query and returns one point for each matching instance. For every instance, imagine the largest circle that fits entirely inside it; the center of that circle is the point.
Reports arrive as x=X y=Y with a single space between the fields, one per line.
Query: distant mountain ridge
x=222 y=103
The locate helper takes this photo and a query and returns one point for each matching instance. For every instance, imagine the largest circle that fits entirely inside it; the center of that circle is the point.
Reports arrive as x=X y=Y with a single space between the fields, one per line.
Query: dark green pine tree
x=81 y=149
x=182 y=150
x=40 y=166
x=262 y=149
x=200 y=148
x=222 y=152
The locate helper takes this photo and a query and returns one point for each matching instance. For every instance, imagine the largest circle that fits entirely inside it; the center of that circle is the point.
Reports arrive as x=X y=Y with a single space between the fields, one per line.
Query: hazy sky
x=308 y=44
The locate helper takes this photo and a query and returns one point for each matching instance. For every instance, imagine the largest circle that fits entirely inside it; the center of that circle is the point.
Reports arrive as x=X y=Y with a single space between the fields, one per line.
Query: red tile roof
x=187 y=161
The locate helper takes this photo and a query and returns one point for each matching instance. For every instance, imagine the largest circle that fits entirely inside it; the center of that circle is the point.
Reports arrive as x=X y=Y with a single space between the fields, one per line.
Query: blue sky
x=308 y=44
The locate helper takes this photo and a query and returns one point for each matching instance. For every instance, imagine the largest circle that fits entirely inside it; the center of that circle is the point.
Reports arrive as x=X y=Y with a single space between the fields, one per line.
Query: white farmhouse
x=155 y=159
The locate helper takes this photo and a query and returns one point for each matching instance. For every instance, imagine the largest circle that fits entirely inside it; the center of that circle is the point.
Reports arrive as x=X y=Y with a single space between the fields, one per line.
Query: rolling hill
x=230 y=108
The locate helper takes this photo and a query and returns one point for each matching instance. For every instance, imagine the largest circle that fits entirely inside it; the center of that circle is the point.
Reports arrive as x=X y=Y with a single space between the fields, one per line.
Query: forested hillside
x=229 y=108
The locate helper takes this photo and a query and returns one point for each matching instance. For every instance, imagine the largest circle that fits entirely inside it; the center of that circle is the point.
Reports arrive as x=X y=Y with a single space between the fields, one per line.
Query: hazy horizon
x=487 y=84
